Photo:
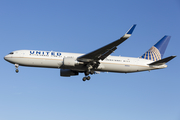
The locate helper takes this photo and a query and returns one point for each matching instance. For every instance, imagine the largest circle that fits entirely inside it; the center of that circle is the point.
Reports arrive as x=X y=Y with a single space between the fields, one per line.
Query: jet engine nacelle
x=68 y=73
x=67 y=61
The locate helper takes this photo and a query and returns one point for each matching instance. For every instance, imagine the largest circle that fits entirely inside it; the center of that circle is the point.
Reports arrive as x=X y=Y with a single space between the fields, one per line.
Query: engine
x=67 y=61
x=68 y=73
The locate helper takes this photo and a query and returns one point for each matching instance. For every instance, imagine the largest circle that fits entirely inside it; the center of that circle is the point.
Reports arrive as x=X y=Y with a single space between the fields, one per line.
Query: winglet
x=130 y=31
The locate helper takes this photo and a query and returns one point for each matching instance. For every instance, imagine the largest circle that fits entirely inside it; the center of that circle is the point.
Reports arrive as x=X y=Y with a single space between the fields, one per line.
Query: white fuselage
x=51 y=59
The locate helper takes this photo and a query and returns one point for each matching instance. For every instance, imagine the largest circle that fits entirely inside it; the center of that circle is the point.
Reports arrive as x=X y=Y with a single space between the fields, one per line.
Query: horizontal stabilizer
x=162 y=61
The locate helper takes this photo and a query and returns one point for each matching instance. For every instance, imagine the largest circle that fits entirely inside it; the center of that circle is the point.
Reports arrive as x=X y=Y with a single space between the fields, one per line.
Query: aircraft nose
x=6 y=57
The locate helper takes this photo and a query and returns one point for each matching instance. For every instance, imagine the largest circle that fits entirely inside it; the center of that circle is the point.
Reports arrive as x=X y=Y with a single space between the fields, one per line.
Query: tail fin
x=156 y=52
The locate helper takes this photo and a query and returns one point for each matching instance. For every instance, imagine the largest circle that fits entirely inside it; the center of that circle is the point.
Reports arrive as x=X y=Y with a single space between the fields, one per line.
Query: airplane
x=100 y=60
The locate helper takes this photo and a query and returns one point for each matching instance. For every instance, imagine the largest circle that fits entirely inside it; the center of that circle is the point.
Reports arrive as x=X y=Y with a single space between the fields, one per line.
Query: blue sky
x=81 y=27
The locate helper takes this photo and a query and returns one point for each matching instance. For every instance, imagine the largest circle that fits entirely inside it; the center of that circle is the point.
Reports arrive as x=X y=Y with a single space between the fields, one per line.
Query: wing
x=103 y=52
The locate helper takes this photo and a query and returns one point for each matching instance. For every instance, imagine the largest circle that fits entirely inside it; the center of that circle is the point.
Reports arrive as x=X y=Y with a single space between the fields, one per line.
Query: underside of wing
x=103 y=52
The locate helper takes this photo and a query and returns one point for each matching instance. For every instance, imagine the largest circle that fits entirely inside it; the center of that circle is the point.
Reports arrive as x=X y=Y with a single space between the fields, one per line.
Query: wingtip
x=130 y=31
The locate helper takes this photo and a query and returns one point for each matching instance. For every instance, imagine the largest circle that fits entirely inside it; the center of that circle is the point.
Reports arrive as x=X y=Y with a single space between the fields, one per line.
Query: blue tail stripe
x=162 y=44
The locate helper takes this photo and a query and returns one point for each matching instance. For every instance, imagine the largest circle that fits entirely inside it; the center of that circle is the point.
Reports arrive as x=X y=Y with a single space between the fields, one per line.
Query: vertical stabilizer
x=156 y=52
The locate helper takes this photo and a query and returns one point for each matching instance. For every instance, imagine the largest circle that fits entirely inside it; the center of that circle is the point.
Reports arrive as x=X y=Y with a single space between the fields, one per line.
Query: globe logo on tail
x=156 y=52
x=152 y=54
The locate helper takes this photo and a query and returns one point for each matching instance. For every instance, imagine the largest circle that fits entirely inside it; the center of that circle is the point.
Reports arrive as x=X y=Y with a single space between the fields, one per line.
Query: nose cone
x=7 y=58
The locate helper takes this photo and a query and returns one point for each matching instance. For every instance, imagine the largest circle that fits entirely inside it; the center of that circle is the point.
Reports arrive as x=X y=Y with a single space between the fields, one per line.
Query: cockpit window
x=11 y=53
